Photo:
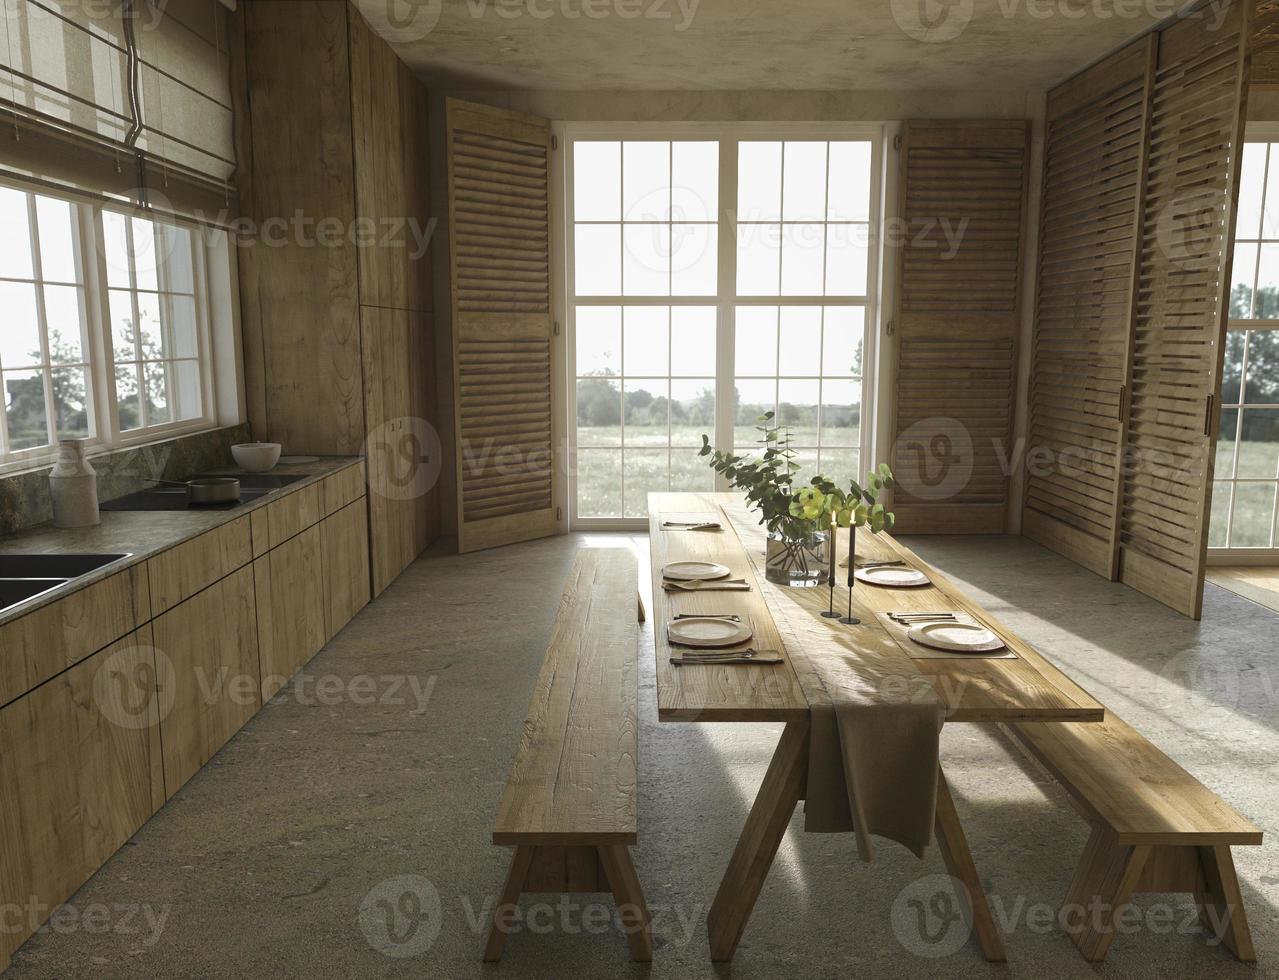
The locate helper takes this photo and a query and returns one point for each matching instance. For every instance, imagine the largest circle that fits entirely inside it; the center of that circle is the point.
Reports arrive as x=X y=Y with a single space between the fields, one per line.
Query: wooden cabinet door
x=1179 y=329
x=963 y=199
x=80 y=772
x=499 y=251
x=208 y=656
x=344 y=541
x=291 y=615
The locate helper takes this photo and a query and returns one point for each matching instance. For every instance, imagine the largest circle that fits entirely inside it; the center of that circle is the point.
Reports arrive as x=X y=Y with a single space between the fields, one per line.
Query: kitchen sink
x=53 y=566
x=24 y=577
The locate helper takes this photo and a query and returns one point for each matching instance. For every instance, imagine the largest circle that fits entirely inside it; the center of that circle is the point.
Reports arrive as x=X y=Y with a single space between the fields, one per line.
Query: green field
x=647 y=465
x=1254 y=502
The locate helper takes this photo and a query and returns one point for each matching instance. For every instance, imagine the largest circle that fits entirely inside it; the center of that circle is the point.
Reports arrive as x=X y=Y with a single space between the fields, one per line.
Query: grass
x=613 y=483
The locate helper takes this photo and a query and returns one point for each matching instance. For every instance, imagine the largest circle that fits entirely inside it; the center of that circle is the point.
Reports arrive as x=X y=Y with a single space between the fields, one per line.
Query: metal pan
x=208 y=490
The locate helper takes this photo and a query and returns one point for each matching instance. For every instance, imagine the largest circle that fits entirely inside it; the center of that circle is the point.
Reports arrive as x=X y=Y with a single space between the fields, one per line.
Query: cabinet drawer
x=342 y=488
x=291 y=515
x=181 y=572
x=80 y=772
x=290 y=595
x=208 y=658
x=47 y=641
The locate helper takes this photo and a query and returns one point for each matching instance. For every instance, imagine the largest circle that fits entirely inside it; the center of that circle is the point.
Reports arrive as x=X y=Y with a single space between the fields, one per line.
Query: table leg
x=782 y=788
x=953 y=844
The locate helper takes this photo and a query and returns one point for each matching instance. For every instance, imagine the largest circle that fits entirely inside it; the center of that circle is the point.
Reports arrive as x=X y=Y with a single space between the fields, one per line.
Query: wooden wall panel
x=381 y=183
x=299 y=299
x=337 y=130
x=1090 y=222
x=403 y=498
x=499 y=230
x=963 y=192
x=1196 y=129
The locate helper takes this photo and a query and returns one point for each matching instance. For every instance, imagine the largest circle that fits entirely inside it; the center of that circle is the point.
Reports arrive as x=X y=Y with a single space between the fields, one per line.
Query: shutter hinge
x=557 y=328
x=559 y=513
x=555 y=142
x=897 y=142
x=892 y=326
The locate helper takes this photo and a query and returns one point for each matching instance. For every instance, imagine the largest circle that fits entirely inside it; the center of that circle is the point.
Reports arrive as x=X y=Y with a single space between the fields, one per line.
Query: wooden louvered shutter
x=956 y=323
x=1196 y=135
x=499 y=247
x=1094 y=160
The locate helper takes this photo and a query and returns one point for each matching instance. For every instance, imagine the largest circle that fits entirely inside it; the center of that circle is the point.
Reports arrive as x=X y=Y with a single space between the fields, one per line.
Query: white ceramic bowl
x=256 y=457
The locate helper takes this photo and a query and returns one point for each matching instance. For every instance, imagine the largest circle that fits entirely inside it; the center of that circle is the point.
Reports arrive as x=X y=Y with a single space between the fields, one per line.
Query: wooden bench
x=570 y=807
x=1155 y=828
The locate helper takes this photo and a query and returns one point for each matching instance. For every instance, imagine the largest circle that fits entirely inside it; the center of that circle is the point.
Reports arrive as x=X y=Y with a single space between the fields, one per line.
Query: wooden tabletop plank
x=705 y=692
x=574 y=776
x=823 y=654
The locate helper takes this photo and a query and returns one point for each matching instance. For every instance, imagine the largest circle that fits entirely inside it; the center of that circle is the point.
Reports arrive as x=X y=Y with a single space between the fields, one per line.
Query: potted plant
x=799 y=519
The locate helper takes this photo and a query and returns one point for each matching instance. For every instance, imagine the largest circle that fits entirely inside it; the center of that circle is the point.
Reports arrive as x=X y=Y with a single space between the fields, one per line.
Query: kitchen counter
x=144 y=534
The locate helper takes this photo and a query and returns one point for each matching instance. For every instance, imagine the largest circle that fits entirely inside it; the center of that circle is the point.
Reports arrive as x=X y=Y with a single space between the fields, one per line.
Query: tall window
x=712 y=281
x=106 y=329
x=1247 y=465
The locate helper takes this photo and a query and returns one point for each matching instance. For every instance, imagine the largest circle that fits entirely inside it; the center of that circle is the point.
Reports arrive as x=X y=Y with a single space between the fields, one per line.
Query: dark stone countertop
x=144 y=534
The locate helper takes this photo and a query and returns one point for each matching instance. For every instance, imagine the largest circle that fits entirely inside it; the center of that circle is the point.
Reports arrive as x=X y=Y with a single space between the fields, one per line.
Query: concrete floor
x=288 y=855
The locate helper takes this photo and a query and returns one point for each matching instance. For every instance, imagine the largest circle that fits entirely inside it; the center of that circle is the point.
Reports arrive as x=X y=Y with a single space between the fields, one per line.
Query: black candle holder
x=850 y=619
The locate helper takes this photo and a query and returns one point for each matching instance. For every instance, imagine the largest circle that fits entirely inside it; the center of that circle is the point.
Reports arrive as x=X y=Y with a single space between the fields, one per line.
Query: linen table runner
x=875 y=717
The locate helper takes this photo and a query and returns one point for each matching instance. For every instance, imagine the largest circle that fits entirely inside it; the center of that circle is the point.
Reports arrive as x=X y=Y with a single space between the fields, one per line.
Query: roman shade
x=124 y=99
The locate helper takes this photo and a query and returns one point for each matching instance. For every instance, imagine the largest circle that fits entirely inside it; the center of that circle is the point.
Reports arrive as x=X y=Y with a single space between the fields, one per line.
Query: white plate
x=695 y=631
x=956 y=637
x=694 y=571
x=893 y=576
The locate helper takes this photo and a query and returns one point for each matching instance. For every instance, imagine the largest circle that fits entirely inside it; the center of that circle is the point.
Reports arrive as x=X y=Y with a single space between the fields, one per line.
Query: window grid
x=1225 y=534
x=79 y=393
x=43 y=366
x=140 y=364
x=1244 y=512
x=726 y=299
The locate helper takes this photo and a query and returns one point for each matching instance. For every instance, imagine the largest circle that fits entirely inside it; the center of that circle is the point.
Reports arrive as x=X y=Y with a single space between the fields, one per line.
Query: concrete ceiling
x=893 y=45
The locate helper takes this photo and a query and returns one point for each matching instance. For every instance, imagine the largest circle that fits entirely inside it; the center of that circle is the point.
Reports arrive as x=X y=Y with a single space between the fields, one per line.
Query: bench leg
x=953 y=845
x=632 y=910
x=782 y=788
x=506 y=903
x=1221 y=902
x=1102 y=888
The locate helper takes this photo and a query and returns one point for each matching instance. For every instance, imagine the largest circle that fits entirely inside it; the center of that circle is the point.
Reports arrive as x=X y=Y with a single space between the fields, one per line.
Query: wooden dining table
x=818 y=655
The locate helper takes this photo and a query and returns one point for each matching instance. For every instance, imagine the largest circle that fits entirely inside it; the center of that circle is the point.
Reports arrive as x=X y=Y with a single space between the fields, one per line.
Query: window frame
x=101 y=401
x=1228 y=554
x=725 y=300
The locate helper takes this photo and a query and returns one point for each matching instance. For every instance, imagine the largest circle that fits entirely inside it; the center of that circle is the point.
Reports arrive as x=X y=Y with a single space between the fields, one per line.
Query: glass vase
x=796 y=560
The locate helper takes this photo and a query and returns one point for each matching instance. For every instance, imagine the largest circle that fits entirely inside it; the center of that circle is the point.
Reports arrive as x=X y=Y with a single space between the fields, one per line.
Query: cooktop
x=253 y=486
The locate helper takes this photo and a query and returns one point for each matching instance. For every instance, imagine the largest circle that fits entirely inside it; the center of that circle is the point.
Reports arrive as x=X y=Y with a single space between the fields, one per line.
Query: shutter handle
x=1208 y=414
